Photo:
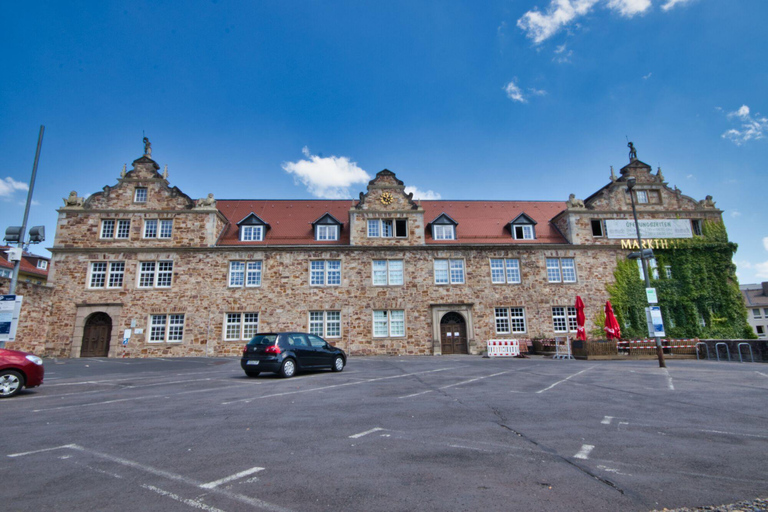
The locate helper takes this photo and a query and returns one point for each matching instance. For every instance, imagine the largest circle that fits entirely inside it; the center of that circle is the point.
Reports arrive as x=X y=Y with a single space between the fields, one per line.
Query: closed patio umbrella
x=612 y=329
x=581 y=333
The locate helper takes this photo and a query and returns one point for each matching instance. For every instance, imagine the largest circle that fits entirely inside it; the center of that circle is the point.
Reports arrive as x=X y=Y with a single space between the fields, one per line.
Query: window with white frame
x=42 y=264
x=140 y=196
x=166 y=328
x=4 y=272
x=696 y=226
x=564 y=318
x=505 y=271
x=240 y=326
x=325 y=272
x=642 y=196
x=510 y=320
x=326 y=324
x=387 y=272
x=251 y=233
x=115 y=228
x=245 y=273
x=597 y=227
x=387 y=228
x=155 y=274
x=561 y=270
x=653 y=268
x=443 y=232
x=326 y=232
x=760 y=331
x=523 y=231
x=756 y=313
x=389 y=323
x=449 y=271
x=107 y=274
x=158 y=228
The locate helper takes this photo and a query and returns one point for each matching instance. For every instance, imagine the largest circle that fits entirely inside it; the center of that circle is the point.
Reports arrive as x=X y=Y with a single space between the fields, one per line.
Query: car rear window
x=262 y=339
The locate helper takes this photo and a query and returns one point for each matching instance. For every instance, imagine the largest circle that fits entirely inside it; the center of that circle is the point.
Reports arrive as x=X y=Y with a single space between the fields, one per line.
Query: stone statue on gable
x=206 y=202
x=575 y=203
x=73 y=200
x=147 y=147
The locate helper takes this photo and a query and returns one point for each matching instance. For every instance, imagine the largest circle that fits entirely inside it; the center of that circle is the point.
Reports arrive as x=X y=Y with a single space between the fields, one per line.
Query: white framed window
x=4 y=272
x=387 y=272
x=668 y=271
x=166 y=328
x=642 y=196
x=42 y=264
x=505 y=271
x=325 y=272
x=756 y=313
x=653 y=269
x=597 y=228
x=564 y=318
x=115 y=228
x=696 y=227
x=123 y=228
x=523 y=231
x=155 y=274
x=389 y=323
x=245 y=273
x=106 y=274
x=443 y=232
x=326 y=324
x=510 y=320
x=449 y=271
x=251 y=233
x=140 y=195
x=240 y=326
x=107 y=228
x=760 y=331
x=158 y=228
x=561 y=270
x=326 y=232
x=387 y=228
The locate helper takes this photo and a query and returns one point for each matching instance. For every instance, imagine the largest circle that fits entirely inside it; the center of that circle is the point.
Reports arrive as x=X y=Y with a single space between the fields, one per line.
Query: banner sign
x=649 y=228
x=10 y=308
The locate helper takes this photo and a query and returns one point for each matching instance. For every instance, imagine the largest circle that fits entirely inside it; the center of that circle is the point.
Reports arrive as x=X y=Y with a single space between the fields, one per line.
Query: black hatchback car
x=286 y=352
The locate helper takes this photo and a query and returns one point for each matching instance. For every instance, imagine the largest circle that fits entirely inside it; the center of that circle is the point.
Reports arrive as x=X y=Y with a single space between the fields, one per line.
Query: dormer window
x=523 y=228
x=252 y=228
x=443 y=228
x=327 y=228
x=42 y=264
x=140 y=195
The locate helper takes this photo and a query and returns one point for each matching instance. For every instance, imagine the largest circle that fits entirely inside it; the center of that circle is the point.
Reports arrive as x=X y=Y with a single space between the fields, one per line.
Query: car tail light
x=272 y=349
x=245 y=349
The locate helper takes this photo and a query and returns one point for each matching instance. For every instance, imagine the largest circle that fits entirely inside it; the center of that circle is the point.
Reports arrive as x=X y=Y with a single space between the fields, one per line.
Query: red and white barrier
x=502 y=348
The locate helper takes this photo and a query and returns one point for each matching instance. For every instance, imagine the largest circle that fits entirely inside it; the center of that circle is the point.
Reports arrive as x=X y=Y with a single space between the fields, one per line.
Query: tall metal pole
x=630 y=186
x=23 y=235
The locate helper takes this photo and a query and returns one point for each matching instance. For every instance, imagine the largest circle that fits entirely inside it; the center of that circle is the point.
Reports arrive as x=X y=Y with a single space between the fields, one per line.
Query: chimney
x=765 y=288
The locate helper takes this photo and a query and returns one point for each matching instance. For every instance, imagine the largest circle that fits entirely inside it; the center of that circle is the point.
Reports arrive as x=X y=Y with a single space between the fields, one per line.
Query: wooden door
x=96 y=334
x=453 y=334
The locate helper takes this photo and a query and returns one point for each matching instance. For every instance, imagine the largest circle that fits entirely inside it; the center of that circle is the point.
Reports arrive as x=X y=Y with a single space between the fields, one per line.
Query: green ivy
x=701 y=299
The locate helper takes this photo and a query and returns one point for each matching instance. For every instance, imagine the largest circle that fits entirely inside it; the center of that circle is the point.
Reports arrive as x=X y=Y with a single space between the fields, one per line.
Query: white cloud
x=629 y=8
x=8 y=186
x=646 y=77
x=427 y=195
x=761 y=270
x=514 y=93
x=752 y=126
x=672 y=3
x=735 y=214
x=537 y=92
x=765 y=243
x=326 y=177
x=561 y=55
x=560 y=13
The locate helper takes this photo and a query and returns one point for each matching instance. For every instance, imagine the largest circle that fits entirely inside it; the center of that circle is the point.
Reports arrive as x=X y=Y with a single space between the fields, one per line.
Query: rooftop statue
x=632 y=152
x=147 y=147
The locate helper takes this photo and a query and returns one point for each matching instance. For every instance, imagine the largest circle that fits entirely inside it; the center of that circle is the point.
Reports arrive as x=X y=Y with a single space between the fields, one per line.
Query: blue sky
x=506 y=99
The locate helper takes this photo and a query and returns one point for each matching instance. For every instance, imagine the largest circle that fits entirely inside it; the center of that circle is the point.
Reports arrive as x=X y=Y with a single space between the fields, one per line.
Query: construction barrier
x=650 y=344
x=503 y=348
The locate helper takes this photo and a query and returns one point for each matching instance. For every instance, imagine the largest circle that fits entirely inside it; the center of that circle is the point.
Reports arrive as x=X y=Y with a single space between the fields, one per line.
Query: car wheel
x=11 y=383
x=251 y=373
x=338 y=364
x=288 y=369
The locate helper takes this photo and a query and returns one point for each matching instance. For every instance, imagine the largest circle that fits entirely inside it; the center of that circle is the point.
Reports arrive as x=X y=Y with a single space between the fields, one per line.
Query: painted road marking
x=251 y=399
x=460 y=383
x=417 y=394
x=192 y=503
x=22 y=454
x=607 y=420
x=761 y=373
x=584 y=452
x=236 y=476
x=361 y=434
x=669 y=380
x=565 y=379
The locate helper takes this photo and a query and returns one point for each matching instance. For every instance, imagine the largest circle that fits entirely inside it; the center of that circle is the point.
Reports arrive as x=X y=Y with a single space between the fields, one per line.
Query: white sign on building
x=10 y=308
x=649 y=228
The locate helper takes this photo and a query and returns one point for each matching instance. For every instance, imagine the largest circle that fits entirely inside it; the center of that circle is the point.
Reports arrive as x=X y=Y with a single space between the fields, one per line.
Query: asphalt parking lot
x=388 y=433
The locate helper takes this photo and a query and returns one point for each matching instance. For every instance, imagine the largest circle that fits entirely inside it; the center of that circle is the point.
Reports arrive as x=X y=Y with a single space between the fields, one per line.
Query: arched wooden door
x=453 y=334
x=96 y=334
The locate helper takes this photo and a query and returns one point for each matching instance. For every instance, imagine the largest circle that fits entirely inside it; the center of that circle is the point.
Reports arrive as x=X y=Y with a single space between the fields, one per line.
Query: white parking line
x=565 y=379
x=22 y=454
x=584 y=452
x=459 y=383
x=361 y=434
x=236 y=476
x=417 y=394
x=192 y=503
x=607 y=420
x=761 y=373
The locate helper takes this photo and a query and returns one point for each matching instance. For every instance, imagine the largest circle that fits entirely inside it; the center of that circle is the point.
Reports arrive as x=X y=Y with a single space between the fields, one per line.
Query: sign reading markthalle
x=649 y=228
x=10 y=308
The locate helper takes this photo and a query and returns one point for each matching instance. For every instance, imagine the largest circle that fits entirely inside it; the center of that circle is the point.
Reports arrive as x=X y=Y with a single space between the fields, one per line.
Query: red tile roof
x=28 y=262
x=479 y=222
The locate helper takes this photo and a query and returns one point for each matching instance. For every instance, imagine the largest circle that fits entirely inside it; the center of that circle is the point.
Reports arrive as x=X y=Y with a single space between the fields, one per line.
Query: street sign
x=655 y=322
x=651 y=294
x=10 y=308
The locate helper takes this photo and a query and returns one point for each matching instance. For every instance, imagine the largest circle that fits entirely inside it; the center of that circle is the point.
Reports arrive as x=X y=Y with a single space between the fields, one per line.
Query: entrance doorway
x=96 y=334
x=453 y=334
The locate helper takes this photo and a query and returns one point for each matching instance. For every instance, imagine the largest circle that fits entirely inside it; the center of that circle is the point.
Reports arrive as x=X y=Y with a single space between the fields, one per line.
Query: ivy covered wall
x=696 y=285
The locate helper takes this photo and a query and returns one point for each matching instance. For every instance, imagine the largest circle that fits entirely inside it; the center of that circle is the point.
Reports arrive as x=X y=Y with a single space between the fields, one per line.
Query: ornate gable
x=386 y=193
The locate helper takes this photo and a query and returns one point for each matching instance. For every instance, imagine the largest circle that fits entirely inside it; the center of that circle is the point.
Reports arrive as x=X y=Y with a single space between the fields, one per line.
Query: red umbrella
x=581 y=334
x=612 y=329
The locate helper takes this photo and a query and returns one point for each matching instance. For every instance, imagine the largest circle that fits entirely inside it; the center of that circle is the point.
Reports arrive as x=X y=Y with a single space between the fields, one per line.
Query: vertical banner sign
x=655 y=323
x=10 y=308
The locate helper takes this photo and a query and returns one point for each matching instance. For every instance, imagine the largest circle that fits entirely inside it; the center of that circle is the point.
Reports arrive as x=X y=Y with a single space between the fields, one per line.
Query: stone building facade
x=141 y=269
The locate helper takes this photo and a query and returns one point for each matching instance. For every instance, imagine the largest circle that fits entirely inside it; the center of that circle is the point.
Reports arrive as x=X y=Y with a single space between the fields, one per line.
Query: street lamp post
x=630 y=185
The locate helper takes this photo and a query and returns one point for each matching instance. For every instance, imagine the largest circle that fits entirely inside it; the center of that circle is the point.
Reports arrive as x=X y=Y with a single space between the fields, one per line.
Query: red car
x=17 y=370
